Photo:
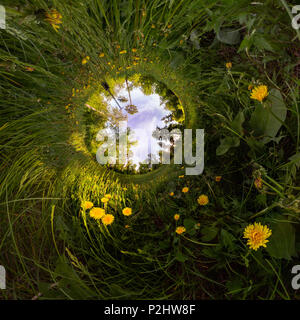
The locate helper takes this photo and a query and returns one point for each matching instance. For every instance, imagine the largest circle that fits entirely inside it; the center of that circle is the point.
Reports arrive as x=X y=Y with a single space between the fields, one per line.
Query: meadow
x=73 y=229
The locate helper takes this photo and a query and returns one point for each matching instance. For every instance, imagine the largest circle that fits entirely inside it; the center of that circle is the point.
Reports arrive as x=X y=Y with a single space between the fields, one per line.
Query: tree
x=131 y=109
x=122 y=99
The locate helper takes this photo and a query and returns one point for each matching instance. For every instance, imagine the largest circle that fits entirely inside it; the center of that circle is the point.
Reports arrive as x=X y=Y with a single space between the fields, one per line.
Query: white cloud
x=144 y=122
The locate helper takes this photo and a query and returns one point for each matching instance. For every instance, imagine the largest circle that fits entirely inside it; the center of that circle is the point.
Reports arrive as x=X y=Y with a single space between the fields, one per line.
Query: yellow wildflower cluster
x=99 y=213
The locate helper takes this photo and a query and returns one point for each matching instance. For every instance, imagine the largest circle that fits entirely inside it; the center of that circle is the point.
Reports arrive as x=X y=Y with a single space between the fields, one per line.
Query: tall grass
x=49 y=245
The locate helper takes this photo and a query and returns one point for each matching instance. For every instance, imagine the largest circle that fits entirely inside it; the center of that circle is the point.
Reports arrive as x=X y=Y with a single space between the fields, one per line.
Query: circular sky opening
x=145 y=106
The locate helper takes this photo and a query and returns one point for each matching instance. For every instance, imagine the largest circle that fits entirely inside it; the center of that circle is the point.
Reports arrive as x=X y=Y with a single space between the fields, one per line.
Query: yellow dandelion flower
x=127 y=226
x=133 y=50
x=54 y=18
x=107 y=219
x=180 y=177
x=228 y=65
x=259 y=93
x=185 y=189
x=180 y=230
x=104 y=200
x=123 y=51
x=153 y=26
x=125 y=189
x=97 y=213
x=108 y=196
x=176 y=217
x=85 y=60
x=257 y=235
x=127 y=211
x=101 y=55
x=218 y=178
x=87 y=205
x=203 y=200
x=171 y=194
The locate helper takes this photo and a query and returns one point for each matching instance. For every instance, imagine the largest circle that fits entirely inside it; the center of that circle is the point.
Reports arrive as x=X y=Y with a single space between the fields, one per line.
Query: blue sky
x=150 y=113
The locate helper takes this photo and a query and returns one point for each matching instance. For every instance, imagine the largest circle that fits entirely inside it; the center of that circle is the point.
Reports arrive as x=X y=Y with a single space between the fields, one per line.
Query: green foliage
x=268 y=118
x=282 y=242
x=226 y=144
x=52 y=248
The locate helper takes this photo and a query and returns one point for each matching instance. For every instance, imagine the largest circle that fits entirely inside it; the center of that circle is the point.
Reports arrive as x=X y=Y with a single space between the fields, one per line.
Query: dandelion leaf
x=267 y=119
x=282 y=241
x=226 y=144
